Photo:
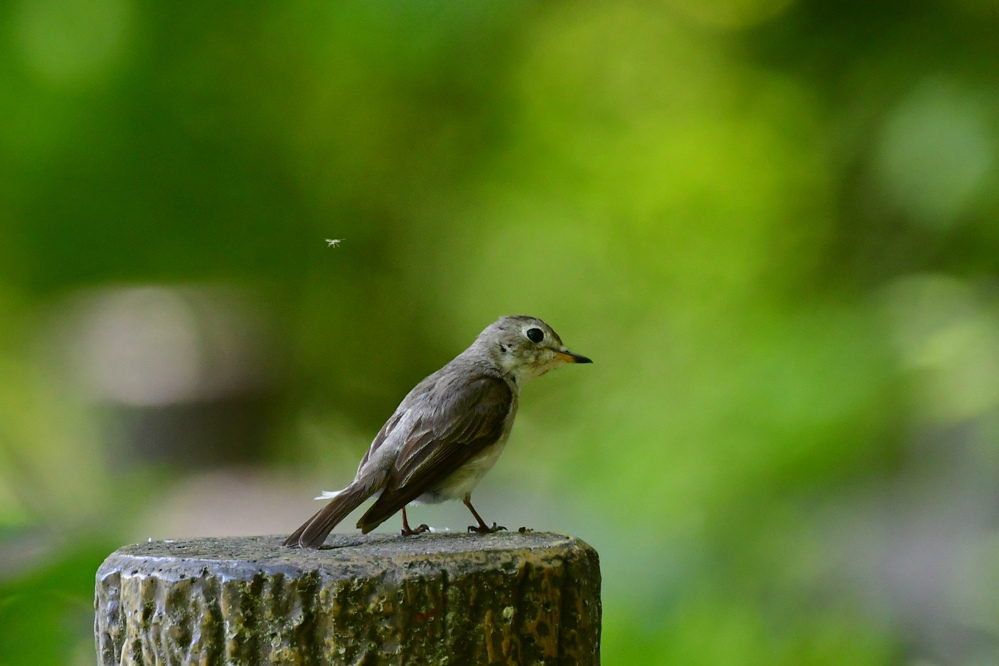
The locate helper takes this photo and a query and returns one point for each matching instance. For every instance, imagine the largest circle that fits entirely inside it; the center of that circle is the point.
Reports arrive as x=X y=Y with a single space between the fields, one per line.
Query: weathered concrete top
x=432 y=598
x=246 y=557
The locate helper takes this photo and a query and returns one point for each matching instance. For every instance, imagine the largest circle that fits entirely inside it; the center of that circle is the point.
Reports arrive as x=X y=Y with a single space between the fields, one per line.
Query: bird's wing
x=458 y=421
x=382 y=435
x=397 y=419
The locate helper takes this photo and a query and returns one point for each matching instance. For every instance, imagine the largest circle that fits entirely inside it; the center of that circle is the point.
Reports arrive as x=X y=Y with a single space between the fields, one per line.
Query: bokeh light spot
x=143 y=348
x=935 y=155
x=71 y=42
x=949 y=342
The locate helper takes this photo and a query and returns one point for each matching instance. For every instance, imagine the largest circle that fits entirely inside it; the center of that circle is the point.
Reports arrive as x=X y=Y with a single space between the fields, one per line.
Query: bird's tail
x=313 y=532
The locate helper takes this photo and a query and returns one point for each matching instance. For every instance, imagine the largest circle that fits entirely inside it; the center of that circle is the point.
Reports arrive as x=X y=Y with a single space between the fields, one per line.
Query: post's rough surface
x=507 y=598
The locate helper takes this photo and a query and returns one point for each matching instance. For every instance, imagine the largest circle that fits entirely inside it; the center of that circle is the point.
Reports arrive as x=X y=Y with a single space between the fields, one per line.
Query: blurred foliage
x=773 y=224
x=44 y=614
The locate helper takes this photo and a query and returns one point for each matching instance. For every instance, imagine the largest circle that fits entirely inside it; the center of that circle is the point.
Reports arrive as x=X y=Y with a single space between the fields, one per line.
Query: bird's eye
x=535 y=334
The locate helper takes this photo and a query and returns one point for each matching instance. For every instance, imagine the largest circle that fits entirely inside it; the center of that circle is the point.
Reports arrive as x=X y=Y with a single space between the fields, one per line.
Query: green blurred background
x=773 y=224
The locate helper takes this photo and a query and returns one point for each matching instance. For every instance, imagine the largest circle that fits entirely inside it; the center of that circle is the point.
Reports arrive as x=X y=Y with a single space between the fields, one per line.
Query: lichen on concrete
x=506 y=598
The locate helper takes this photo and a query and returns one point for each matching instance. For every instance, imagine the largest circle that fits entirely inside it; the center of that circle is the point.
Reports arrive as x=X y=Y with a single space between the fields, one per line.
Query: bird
x=447 y=433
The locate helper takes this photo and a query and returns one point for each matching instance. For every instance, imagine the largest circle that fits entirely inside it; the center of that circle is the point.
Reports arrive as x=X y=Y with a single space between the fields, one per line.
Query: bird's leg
x=481 y=528
x=406 y=531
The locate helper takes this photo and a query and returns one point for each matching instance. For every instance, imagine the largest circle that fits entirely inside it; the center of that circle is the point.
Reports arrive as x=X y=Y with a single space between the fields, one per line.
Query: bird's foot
x=485 y=529
x=419 y=530
x=524 y=530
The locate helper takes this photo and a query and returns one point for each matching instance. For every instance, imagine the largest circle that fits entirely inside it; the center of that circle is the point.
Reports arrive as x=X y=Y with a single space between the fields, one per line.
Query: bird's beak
x=569 y=357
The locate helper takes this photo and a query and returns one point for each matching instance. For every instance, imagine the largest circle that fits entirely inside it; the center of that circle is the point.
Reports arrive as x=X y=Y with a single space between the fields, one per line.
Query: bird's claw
x=419 y=530
x=485 y=529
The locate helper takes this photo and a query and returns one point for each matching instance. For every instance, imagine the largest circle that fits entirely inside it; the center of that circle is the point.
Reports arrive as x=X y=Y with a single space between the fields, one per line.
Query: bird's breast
x=464 y=479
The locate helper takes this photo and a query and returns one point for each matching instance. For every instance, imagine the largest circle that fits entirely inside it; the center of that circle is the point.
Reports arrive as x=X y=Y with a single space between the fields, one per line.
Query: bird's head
x=525 y=347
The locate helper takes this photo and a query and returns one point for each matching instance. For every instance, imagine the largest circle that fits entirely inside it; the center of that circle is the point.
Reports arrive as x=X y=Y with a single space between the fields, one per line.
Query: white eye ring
x=535 y=334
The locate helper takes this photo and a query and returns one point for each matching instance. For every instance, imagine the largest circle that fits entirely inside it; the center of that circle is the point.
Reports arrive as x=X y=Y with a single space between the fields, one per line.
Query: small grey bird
x=447 y=433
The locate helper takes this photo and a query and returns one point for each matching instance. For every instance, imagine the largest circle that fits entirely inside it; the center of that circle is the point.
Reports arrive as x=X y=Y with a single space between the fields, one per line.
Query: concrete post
x=505 y=598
